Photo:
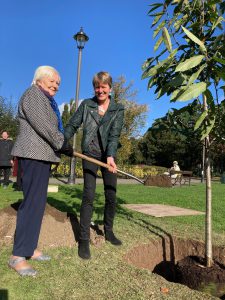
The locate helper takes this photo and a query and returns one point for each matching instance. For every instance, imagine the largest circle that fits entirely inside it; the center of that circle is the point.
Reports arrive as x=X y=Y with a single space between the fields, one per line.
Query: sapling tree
x=189 y=65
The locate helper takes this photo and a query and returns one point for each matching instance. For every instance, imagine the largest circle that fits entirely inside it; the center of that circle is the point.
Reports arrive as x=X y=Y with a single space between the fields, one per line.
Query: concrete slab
x=160 y=210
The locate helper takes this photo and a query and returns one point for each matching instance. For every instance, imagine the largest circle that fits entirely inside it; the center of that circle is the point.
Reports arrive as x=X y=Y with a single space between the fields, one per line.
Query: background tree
x=172 y=138
x=8 y=117
x=134 y=119
x=191 y=65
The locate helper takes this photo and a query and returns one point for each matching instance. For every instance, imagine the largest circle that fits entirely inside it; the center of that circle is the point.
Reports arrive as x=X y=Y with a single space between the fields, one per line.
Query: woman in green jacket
x=102 y=120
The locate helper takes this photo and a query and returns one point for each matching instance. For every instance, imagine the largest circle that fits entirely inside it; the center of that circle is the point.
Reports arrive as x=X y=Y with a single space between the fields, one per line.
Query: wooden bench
x=182 y=177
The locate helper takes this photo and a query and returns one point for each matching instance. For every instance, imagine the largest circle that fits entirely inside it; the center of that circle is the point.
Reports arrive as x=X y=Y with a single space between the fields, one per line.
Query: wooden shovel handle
x=91 y=159
x=102 y=164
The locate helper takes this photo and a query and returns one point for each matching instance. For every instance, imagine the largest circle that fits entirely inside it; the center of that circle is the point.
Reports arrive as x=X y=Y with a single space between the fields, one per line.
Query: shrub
x=140 y=171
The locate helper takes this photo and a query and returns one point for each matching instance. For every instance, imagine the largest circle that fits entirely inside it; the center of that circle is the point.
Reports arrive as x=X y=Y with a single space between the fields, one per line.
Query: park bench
x=182 y=177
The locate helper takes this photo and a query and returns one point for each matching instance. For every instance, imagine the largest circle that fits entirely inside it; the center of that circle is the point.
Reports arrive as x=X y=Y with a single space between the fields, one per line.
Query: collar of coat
x=8 y=139
x=92 y=103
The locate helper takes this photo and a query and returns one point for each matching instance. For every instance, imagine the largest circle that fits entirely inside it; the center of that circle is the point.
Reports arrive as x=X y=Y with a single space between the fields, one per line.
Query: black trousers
x=110 y=181
x=35 y=177
x=6 y=172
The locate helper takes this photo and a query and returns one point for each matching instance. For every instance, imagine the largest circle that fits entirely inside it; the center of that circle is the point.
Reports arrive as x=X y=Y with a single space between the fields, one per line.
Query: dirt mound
x=158 y=180
x=58 y=228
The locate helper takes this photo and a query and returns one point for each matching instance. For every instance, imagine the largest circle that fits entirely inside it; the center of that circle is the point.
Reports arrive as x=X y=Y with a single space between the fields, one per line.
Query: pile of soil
x=158 y=180
x=58 y=228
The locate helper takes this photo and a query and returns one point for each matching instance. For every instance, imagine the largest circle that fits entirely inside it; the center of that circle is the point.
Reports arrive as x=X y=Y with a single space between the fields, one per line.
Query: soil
x=181 y=261
x=158 y=180
x=175 y=259
x=58 y=228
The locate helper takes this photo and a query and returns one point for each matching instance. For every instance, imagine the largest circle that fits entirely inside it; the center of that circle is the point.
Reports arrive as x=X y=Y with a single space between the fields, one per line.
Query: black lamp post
x=81 y=38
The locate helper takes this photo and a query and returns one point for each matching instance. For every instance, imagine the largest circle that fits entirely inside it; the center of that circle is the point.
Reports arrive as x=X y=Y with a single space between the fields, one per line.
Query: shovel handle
x=102 y=164
x=91 y=159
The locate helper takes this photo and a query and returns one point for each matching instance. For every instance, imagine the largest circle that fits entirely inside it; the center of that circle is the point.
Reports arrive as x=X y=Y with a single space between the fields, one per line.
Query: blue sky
x=34 y=33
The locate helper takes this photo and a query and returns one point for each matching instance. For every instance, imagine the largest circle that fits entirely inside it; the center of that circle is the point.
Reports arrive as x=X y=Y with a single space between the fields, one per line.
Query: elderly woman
x=102 y=120
x=37 y=146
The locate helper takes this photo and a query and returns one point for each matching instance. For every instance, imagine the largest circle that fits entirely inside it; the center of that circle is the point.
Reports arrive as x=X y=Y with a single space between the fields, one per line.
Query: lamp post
x=81 y=38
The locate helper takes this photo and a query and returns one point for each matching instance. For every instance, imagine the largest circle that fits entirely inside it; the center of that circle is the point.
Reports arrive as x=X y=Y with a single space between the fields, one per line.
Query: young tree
x=191 y=65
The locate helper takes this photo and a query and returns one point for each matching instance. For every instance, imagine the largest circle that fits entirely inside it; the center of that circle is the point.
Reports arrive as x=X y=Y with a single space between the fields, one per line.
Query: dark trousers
x=6 y=172
x=35 y=177
x=110 y=182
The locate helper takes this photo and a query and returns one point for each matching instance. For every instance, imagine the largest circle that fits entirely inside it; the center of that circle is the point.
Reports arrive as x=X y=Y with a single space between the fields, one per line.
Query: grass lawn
x=107 y=275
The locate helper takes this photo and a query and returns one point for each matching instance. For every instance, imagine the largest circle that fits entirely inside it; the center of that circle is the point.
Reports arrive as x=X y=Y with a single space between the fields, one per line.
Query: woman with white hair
x=173 y=169
x=39 y=144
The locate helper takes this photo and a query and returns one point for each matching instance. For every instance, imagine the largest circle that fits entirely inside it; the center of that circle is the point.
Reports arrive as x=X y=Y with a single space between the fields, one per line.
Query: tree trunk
x=208 y=217
x=208 y=220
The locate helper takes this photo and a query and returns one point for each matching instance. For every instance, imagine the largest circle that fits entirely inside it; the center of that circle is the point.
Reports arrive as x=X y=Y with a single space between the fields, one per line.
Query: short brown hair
x=103 y=77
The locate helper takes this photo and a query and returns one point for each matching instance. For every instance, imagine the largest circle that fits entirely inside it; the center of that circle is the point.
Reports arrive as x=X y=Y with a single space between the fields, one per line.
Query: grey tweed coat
x=39 y=137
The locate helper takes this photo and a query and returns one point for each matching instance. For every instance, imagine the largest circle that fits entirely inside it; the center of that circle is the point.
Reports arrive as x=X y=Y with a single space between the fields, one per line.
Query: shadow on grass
x=157 y=231
x=4 y=294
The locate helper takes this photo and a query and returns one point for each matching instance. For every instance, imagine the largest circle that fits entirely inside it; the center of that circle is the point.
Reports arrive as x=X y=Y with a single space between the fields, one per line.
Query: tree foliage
x=172 y=138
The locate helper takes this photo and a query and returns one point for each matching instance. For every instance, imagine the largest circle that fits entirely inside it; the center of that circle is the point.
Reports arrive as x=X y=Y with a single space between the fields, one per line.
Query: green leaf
x=195 y=39
x=147 y=63
x=157 y=18
x=158 y=43
x=218 y=21
x=220 y=60
x=200 y=119
x=178 y=80
x=193 y=91
x=159 y=27
x=151 y=72
x=154 y=7
x=189 y=63
x=180 y=21
x=166 y=39
x=220 y=73
x=208 y=128
x=195 y=75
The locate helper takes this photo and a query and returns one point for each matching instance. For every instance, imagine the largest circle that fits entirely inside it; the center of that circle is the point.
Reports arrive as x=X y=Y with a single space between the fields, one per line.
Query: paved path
x=64 y=180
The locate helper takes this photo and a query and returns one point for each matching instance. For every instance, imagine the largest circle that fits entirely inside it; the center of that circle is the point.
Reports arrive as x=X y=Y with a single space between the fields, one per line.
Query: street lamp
x=81 y=38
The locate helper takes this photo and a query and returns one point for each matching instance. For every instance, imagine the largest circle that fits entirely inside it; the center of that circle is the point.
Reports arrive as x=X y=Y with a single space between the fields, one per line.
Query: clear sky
x=34 y=33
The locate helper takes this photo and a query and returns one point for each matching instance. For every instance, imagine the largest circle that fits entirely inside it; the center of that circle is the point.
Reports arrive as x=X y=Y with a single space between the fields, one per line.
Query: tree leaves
x=166 y=39
x=189 y=63
x=195 y=39
x=200 y=120
x=192 y=92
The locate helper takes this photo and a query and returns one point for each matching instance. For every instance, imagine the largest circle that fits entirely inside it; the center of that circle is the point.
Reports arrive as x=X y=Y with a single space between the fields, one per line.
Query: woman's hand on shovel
x=112 y=166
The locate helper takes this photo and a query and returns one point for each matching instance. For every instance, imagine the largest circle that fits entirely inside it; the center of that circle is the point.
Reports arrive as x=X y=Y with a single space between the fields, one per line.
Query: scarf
x=57 y=112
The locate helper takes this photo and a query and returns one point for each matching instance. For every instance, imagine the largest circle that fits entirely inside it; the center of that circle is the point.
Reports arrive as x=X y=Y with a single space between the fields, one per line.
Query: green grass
x=107 y=275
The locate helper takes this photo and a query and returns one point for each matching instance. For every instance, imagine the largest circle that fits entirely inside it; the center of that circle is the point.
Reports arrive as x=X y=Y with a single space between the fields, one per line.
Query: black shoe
x=84 y=249
x=109 y=236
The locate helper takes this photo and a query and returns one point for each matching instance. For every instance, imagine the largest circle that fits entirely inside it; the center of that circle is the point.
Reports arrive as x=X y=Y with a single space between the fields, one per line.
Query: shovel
x=102 y=164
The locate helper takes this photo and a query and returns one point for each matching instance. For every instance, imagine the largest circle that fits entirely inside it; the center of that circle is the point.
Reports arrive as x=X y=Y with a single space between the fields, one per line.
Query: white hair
x=44 y=71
